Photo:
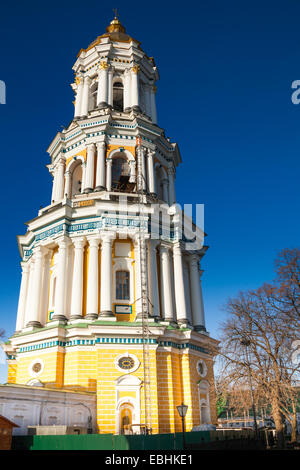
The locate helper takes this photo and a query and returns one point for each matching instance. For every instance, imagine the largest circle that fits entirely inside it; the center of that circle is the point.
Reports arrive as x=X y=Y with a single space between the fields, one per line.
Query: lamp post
x=182 y=409
x=246 y=342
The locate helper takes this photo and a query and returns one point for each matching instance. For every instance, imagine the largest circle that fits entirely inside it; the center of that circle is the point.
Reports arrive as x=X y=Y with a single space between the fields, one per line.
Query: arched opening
x=120 y=174
x=203 y=388
x=204 y=413
x=126 y=411
x=118 y=96
x=77 y=180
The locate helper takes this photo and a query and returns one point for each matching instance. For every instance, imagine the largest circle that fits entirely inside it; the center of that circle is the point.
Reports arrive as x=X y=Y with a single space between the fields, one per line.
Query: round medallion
x=201 y=368
x=36 y=368
x=126 y=362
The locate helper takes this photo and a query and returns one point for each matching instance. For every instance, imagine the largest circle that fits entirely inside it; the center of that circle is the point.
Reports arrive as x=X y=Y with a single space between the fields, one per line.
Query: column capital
x=60 y=161
x=40 y=251
x=63 y=242
x=79 y=242
x=101 y=144
x=193 y=260
x=93 y=240
x=151 y=153
x=25 y=266
x=136 y=238
x=91 y=146
x=107 y=237
x=164 y=248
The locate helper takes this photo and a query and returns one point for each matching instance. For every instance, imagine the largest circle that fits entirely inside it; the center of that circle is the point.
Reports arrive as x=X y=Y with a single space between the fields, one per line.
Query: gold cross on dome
x=116 y=12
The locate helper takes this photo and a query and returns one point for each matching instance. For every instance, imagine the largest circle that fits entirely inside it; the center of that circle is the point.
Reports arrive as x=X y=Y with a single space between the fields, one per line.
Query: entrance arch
x=126 y=415
x=128 y=406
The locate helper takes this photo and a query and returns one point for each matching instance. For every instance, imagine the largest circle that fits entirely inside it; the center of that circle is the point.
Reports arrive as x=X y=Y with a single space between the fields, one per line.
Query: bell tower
x=110 y=298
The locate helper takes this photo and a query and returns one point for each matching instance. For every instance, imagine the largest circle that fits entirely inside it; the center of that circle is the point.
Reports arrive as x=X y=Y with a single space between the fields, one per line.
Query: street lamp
x=246 y=342
x=182 y=409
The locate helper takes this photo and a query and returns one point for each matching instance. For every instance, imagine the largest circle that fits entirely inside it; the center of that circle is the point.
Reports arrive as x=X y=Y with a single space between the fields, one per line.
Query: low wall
x=194 y=440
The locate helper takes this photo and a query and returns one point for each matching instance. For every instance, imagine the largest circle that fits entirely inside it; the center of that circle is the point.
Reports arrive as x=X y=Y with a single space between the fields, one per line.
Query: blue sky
x=224 y=95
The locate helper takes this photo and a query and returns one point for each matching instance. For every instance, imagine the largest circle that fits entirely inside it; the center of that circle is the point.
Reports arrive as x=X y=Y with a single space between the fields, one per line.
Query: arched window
x=120 y=173
x=76 y=180
x=122 y=285
x=118 y=96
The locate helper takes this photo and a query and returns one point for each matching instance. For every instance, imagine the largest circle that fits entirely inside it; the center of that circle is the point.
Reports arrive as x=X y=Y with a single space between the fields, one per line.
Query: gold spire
x=115 y=25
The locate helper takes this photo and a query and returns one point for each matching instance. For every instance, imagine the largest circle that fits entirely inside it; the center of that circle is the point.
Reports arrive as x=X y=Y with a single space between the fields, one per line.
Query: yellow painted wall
x=174 y=379
x=12 y=372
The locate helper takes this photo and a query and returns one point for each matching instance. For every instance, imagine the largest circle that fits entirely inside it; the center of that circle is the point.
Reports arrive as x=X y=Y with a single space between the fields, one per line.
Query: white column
x=147 y=100
x=78 y=99
x=106 y=277
x=54 y=184
x=187 y=289
x=172 y=196
x=165 y=183
x=135 y=100
x=102 y=93
x=93 y=281
x=179 y=285
x=132 y=165
x=153 y=105
x=83 y=176
x=108 y=174
x=153 y=278
x=68 y=184
x=90 y=168
x=45 y=287
x=151 y=186
x=196 y=294
x=110 y=86
x=85 y=97
x=138 y=284
x=60 y=180
x=77 y=284
x=100 y=170
x=34 y=314
x=141 y=155
x=166 y=285
x=30 y=287
x=61 y=281
x=22 y=297
x=127 y=89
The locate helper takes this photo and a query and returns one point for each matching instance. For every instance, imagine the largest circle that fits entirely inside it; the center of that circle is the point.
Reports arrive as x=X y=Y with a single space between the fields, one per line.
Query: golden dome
x=115 y=26
x=115 y=31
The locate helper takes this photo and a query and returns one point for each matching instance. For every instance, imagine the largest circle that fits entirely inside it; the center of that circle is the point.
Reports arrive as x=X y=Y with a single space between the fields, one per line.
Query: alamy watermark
x=2 y=92
x=159 y=221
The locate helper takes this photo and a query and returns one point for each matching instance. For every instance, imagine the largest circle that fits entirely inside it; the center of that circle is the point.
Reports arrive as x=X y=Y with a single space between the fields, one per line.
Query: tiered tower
x=105 y=271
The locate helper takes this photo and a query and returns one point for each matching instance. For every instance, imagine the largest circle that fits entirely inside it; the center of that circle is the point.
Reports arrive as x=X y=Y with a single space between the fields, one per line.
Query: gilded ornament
x=136 y=68
x=103 y=65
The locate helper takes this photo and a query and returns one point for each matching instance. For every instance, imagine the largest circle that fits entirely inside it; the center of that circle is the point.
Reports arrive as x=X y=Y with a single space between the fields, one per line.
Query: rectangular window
x=122 y=285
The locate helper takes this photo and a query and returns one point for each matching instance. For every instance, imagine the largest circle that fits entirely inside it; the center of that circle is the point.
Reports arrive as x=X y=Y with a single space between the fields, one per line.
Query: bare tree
x=260 y=316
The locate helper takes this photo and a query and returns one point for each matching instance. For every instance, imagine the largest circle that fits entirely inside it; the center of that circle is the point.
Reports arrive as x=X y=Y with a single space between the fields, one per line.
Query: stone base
x=33 y=324
x=137 y=109
x=99 y=188
x=102 y=105
x=200 y=328
x=107 y=315
x=91 y=316
x=59 y=319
